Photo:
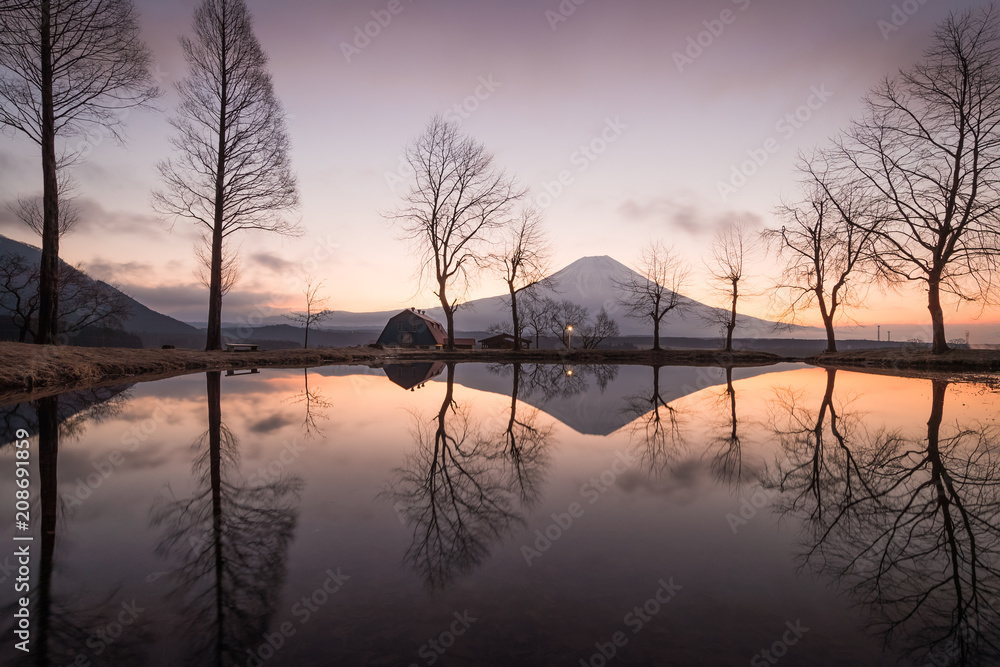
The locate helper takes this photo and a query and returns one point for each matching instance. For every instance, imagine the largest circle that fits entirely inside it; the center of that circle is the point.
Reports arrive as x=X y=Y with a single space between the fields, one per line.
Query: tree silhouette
x=65 y=620
x=828 y=244
x=928 y=144
x=453 y=492
x=908 y=527
x=67 y=66
x=229 y=541
x=232 y=170
x=458 y=199
x=656 y=427
x=655 y=291
x=524 y=261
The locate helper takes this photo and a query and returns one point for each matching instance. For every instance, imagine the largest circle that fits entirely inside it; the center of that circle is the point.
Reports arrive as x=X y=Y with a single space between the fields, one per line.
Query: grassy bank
x=30 y=371
x=906 y=359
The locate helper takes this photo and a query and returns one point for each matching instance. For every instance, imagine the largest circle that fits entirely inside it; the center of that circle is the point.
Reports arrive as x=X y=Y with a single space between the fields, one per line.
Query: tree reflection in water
x=655 y=428
x=315 y=405
x=726 y=448
x=66 y=620
x=909 y=526
x=229 y=541
x=460 y=488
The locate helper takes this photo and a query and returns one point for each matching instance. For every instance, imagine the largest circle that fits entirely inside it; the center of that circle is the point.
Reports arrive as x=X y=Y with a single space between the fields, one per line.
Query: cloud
x=270 y=424
x=683 y=216
x=94 y=218
x=273 y=262
x=189 y=302
x=129 y=272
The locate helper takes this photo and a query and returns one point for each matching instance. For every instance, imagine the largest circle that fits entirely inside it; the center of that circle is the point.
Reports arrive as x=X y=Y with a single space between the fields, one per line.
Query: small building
x=503 y=342
x=412 y=328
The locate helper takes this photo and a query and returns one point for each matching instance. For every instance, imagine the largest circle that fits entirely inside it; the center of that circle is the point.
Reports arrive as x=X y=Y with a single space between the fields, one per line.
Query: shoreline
x=28 y=372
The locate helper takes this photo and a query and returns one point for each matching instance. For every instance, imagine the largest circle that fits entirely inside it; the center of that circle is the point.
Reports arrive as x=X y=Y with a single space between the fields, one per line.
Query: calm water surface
x=537 y=515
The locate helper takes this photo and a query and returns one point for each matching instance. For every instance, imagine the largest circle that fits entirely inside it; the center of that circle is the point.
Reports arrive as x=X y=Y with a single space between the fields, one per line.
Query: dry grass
x=908 y=359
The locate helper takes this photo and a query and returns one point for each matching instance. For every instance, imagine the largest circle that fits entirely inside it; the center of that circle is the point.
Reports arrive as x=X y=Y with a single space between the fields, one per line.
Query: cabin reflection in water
x=413 y=376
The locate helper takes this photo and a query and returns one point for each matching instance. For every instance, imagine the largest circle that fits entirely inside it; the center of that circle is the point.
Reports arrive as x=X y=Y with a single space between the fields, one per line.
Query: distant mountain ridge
x=141 y=320
x=589 y=282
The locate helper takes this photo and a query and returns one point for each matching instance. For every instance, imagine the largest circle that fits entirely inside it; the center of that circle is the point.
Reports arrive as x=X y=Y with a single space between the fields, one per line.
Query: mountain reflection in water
x=214 y=513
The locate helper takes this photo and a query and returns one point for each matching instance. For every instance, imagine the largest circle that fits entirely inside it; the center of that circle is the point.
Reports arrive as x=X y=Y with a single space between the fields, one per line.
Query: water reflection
x=656 y=427
x=907 y=524
x=315 y=407
x=228 y=541
x=903 y=519
x=460 y=488
x=67 y=619
x=726 y=447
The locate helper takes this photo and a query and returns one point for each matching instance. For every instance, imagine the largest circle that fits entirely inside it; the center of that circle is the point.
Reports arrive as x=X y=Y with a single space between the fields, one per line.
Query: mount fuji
x=591 y=282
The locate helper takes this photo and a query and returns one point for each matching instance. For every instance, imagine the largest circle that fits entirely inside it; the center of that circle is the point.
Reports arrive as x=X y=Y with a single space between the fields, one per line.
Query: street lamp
x=569 y=329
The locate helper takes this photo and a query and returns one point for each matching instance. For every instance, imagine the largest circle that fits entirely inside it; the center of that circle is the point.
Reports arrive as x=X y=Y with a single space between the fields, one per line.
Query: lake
x=496 y=515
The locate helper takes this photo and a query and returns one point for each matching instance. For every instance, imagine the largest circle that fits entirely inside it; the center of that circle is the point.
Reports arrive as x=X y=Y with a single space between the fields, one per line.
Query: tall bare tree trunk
x=515 y=318
x=214 y=338
x=940 y=342
x=656 y=334
x=48 y=282
x=831 y=338
x=449 y=314
x=731 y=325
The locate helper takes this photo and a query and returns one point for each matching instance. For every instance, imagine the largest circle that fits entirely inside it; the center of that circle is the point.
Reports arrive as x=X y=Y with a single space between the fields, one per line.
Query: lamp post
x=569 y=330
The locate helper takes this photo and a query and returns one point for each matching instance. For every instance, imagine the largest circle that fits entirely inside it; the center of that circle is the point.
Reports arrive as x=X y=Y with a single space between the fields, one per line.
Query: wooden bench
x=241 y=347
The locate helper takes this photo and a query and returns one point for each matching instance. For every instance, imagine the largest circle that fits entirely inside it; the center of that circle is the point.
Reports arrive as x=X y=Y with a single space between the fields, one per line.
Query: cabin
x=503 y=342
x=412 y=328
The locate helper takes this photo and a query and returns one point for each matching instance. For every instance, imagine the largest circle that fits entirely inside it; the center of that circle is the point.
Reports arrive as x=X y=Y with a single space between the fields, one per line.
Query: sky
x=618 y=98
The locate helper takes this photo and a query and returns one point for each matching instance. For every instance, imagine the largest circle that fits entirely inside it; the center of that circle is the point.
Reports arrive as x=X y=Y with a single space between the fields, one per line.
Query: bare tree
x=232 y=170
x=316 y=311
x=29 y=210
x=827 y=243
x=655 y=290
x=83 y=301
x=929 y=145
x=66 y=66
x=729 y=251
x=458 y=198
x=232 y=268
x=565 y=317
x=603 y=327
x=533 y=315
x=524 y=262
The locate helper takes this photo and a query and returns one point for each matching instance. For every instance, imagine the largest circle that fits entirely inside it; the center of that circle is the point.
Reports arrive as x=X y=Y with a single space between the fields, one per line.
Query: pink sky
x=546 y=89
